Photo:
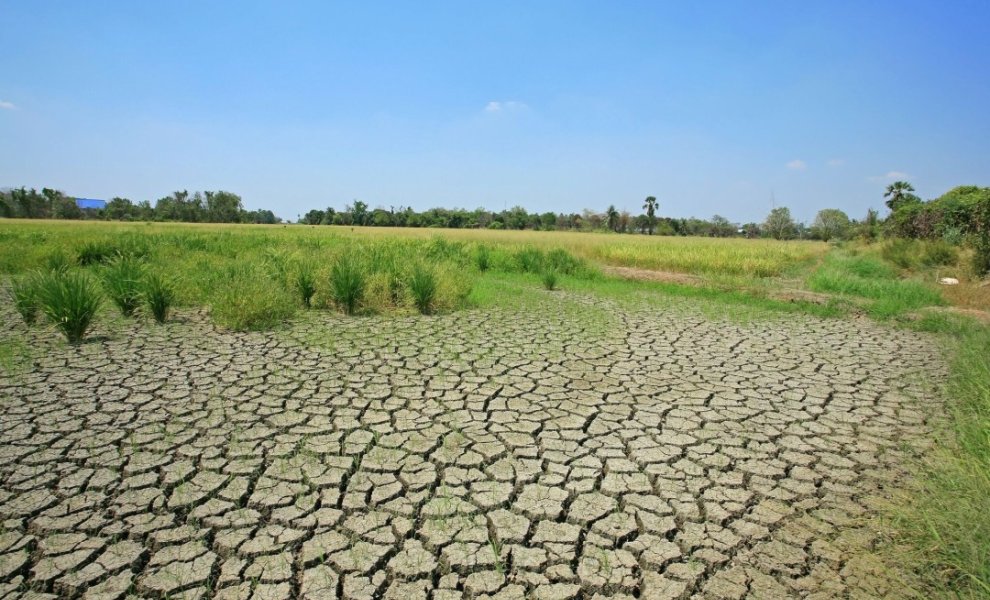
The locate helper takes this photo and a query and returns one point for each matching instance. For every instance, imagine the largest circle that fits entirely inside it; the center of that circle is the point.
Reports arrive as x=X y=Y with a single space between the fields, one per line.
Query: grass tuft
x=159 y=295
x=123 y=282
x=305 y=283
x=70 y=300
x=347 y=281
x=550 y=279
x=24 y=291
x=423 y=288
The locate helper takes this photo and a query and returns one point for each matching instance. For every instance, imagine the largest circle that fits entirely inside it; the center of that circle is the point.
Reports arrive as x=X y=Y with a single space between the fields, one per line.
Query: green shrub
x=483 y=258
x=562 y=261
x=980 y=261
x=550 y=279
x=252 y=302
x=70 y=300
x=24 y=291
x=122 y=280
x=305 y=284
x=347 y=279
x=423 y=287
x=159 y=294
x=939 y=254
x=903 y=253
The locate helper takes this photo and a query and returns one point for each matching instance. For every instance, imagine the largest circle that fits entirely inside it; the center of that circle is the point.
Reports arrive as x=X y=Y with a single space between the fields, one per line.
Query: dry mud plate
x=574 y=449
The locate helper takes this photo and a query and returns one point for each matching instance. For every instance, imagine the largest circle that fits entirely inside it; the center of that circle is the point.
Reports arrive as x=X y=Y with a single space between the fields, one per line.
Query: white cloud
x=797 y=165
x=496 y=106
x=835 y=162
x=7 y=105
x=891 y=176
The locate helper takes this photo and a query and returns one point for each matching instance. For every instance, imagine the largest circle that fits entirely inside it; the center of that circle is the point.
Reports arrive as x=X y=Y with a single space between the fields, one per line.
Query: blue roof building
x=85 y=203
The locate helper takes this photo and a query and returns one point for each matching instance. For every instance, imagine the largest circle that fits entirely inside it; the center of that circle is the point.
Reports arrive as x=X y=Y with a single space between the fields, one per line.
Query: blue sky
x=712 y=107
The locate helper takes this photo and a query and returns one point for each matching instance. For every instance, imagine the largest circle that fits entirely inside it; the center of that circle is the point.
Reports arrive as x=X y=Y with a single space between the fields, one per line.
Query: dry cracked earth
x=574 y=449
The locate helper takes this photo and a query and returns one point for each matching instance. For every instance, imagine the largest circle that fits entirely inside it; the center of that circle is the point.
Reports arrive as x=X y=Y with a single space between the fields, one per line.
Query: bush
x=347 y=281
x=123 y=283
x=901 y=252
x=70 y=300
x=24 y=291
x=159 y=294
x=981 y=255
x=939 y=254
x=423 y=287
x=305 y=284
x=550 y=279
x=561 y=261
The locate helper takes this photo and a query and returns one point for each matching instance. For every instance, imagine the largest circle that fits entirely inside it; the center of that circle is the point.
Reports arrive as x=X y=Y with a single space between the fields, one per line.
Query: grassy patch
x=946 y=519
x=70 y=301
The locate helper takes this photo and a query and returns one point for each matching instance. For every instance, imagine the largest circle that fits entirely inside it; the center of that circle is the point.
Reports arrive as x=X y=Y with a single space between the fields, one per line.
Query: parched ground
x=574 y=448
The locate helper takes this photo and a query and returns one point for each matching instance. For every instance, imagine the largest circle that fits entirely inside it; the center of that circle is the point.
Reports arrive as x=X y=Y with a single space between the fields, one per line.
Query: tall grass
x=123 y=281
x=24 y=292
x=946 y=518
x=251 y=300
x=70 y=301
x=347 y=281
x=304 y=283
x=159 y=294
x=423 y=288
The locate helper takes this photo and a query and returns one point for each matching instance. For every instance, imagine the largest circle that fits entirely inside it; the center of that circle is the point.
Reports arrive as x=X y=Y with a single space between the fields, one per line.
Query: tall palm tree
x=612 y=216
x=651 y=212
x=898 y=193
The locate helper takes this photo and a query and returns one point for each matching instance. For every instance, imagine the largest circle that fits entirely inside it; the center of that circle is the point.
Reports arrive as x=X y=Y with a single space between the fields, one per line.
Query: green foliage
x=549 y=279
x=902 y=252
x=305 y=283
x=58 y=261
x=939 y=253
x=946 y=518
x=122 y=280
x=251 y=300
x=347 y=281
x=24 y=291
x=159 y=294
x=830 y=223
x=981 y=255
x=483 y=257
x=529 y=259
x=779 y=225
x=423 y=288
x=95 y=252
x=70 y=300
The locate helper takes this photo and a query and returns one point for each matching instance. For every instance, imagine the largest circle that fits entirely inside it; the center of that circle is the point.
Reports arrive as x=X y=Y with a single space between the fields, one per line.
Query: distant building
x=89 y=203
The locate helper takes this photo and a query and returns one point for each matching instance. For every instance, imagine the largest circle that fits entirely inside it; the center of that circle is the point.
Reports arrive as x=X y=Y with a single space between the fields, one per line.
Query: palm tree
x=651 y=212
x=612 y=216
x=898 y=194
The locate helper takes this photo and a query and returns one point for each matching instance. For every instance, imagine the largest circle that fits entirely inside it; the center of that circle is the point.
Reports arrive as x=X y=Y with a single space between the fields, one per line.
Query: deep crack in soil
x=615 y=450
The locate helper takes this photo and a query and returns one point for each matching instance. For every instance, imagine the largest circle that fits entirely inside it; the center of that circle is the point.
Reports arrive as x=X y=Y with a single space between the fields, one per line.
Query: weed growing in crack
x=496 y=547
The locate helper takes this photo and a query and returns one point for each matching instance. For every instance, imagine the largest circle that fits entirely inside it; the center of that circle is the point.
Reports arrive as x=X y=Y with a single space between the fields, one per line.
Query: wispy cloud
x=505 y=106
x=891 y=176
x=7 y=105
x=797 y=165
x=835 y=162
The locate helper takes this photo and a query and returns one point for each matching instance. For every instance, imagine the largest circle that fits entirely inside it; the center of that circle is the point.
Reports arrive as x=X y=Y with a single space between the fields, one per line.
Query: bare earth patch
x=640 y=452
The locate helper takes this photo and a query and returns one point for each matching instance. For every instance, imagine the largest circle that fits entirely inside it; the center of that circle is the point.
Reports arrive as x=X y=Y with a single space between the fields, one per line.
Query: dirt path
x=558 y=453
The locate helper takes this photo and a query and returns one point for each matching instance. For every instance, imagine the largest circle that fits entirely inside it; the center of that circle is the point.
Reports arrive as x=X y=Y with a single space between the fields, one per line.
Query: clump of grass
x=347 y=280
x=58 y=261
x=946 y=519
x=70 y=300
x=550 y=279
x=423 y=288
x=24 y=291
x=529 y=259
x=939 y=254
x=159 y=295
x=95 y=252
x=122 y=280
x=483 y=258
x=305 y=284
x=252 y=302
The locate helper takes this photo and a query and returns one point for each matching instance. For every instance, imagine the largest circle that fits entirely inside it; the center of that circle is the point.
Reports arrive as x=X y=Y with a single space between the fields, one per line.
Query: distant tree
x=779 y=224
x=120 y=209
x=899 y=194
x=328 y=216
x=830 y=223
x=722 y=227
x=651 y=213
x=313 y=217
x=751 y=230
x=612 y=217
x=359 y=213
x=625 y=220
x=66 y=208
x=642 y=223
x=223 y=207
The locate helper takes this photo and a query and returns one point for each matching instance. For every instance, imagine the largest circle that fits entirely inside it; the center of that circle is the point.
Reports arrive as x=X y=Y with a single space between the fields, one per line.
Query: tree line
x=198 y=207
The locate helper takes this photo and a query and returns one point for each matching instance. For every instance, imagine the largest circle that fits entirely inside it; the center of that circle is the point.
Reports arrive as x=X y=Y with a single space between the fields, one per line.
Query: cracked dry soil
x=655 y=453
